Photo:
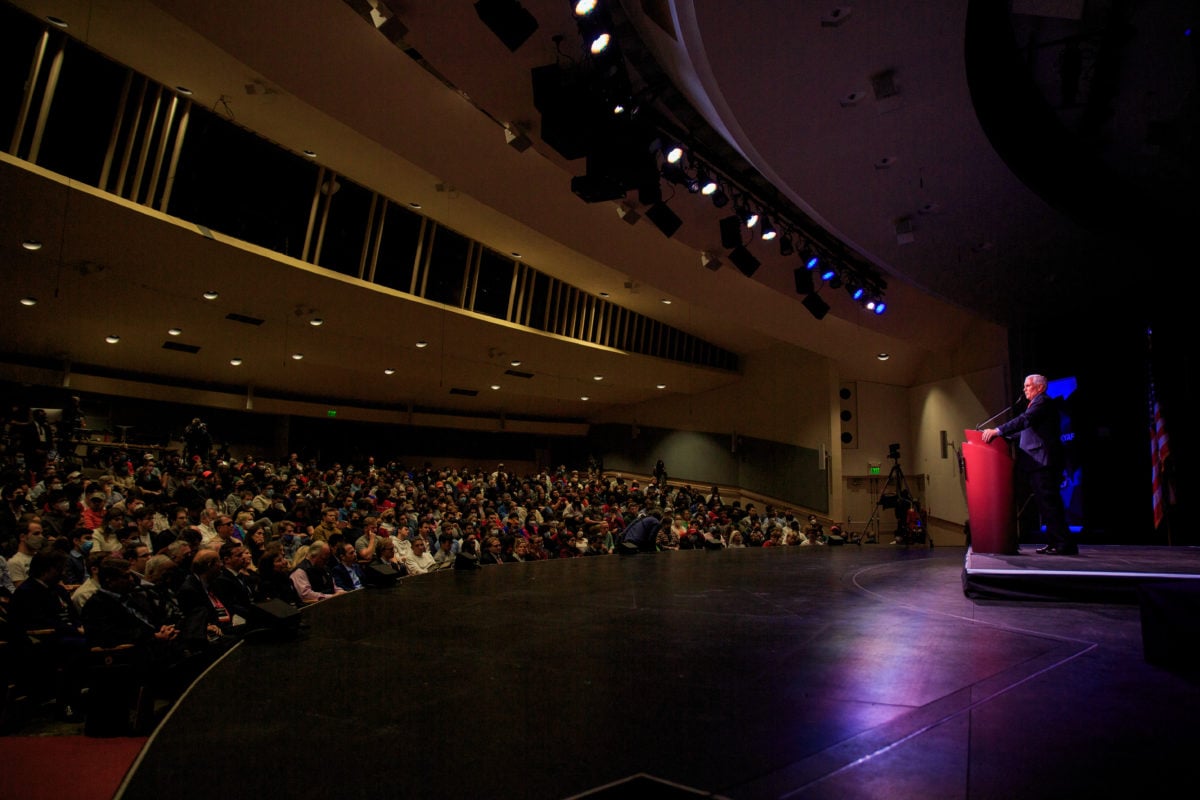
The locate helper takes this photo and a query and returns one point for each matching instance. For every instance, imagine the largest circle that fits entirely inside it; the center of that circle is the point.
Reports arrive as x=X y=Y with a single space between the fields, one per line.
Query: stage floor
x=839 y=672
x=1099 y=572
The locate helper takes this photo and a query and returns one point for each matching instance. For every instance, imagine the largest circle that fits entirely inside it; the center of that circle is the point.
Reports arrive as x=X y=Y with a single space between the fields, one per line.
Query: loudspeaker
x=731 y=231
x=804 y=280
x=1170 y=611
x=816 y=306
x=381 y=575
x=274 y=615
x=508 y=19
x=744 y=260
x=664 y=219
x=848 y=394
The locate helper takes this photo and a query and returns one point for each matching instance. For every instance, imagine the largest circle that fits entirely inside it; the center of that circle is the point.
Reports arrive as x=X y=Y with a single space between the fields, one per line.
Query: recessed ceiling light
x=297 y=356
x=515 y=254
x=29 y=301
x=310 y=153
x=661 y=386
x=31 y=244
x=422 y=343
x=316 y=322
x=584 y=397
x=666 y=301
x=389 y=371
x=597 y=377
x=414 y=205
x=495 y=386
x=112 y=338
x=183 y=90
x=516 y=362
x=883 y=356
x=57 y=22
x=604 y=294
x=237 y=362
x=211 y=295
x=174 y=331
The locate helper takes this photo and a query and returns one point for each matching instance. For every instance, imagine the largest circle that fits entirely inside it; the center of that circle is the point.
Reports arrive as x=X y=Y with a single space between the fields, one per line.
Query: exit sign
x=331 y=412
x=873 y=470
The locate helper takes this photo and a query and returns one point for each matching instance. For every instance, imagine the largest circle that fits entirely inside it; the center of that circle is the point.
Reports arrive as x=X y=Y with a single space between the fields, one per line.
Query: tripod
x=910 y=528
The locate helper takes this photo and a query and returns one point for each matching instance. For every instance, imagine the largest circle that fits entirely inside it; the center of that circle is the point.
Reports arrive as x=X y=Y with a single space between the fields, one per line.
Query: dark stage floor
x=847 y=672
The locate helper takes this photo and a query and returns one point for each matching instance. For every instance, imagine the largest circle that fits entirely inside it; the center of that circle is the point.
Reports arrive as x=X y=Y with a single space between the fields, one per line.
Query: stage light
x=786 y=248
x=599 y=43
x=880 y=307
x=810 y=258
x=719 y=198
x=584 y=7
x=835 y=282
x=693 y=184
x=708 y=186
x=749 y=218
x=768 y=230
x=674 y=154
x=828 y=274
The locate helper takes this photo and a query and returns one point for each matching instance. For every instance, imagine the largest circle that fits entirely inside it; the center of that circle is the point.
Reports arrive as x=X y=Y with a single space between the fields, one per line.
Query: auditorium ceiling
x=943 y=149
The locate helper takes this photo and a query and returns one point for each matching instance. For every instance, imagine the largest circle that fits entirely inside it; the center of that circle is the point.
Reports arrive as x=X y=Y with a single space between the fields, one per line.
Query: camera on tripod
x=896 y=497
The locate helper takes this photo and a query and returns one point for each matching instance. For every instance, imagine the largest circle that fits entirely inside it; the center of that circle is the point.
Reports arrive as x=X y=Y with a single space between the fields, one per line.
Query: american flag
x=1160 y=449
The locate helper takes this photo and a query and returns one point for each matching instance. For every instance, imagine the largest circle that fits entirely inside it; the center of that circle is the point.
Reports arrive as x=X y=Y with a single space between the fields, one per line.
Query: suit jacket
x=234 y=592
x=1040 y=442
x=198 y=612
x=341 y=576
x=37 y=606
x=107 y=622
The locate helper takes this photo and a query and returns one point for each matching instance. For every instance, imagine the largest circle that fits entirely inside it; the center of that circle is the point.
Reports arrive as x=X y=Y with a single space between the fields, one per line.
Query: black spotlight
x=815 y=305
x=744 y=260
x=804 y=280
x=731 y=232
x=508 y=19
x=719 y=198
x=786 y=248
x=664 y=219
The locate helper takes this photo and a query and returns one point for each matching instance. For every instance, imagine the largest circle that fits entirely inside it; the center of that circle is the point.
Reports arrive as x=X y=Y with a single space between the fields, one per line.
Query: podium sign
x=988 y=469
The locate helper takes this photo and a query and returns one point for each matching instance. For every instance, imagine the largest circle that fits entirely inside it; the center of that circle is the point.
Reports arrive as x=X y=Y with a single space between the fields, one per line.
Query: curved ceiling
x=861 y=124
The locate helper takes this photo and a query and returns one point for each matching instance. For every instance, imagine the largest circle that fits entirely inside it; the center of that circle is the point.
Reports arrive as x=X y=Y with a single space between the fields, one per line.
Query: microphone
x=992 y=419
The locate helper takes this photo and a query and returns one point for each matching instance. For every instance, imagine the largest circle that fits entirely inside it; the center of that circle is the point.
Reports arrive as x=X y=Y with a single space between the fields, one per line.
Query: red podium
x=988 y=469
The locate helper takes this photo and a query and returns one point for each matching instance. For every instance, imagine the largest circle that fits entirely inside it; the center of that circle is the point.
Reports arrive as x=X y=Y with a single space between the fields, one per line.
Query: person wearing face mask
x=56 y=516
x=49 y=481
x=30 y=540
x=110 y=536
x=75 y=572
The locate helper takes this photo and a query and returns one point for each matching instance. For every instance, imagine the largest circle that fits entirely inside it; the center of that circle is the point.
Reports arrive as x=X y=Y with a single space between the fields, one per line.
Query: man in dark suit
x=112 y=617
x=347 y=574
x=1040 y=457
x=231 y=585
x=206 y=620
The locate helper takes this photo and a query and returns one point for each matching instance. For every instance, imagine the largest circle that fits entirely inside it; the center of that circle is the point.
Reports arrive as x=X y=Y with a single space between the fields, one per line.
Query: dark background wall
x=789 y=473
